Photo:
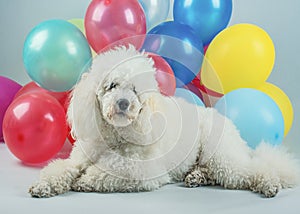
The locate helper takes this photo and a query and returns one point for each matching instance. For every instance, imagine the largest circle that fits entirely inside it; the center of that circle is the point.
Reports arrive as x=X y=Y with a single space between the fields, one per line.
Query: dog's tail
x=278 y=163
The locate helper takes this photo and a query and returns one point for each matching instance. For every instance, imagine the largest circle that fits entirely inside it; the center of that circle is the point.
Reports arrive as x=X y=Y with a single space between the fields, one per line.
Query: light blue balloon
x=55 y=54
x=188 y=96
x=255 y=114
x=207 y=17
x=156 y=11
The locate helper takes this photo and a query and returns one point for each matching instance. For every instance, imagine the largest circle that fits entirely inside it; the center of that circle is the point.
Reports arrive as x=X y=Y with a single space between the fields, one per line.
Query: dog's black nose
x=123 y=104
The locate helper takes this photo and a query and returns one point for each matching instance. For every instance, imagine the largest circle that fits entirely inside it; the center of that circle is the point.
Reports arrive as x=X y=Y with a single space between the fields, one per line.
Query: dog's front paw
x=41 y=190
x=83 y=184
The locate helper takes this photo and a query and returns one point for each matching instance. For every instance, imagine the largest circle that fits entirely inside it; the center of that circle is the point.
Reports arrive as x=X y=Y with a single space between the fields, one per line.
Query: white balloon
x=156 y=11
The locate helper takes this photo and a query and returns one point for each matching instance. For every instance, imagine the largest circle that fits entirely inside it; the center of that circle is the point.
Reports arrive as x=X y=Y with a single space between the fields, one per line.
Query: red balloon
x=190 y=86
x=205 y=48
x=208 y=96
x=193 y=86
x=164 y=75
x=61 y=97
x=34 y=127
x=108 y=21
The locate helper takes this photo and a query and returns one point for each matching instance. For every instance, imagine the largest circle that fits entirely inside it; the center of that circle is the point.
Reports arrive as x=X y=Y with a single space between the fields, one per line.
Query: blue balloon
x=189 y=96
x=255 y=114
x=179 y=46
x=207 y=17
x=55 y=54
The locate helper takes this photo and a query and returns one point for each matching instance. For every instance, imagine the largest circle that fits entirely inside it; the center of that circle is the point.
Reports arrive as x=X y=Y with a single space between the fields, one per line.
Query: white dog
x=131 y=138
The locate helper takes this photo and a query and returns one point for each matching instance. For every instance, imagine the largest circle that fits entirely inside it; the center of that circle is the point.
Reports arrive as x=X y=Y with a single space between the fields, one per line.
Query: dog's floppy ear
x=83 y=112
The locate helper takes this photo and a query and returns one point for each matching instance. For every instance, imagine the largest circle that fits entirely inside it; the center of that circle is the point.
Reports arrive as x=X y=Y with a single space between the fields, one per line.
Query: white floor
x=15 y=179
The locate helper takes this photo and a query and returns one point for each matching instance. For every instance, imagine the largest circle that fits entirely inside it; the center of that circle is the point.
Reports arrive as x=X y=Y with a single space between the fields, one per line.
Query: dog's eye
x=133 y=89
x=111 y=86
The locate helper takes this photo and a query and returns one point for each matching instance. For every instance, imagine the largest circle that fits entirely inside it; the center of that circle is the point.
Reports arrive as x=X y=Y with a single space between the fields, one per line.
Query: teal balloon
x=207 y=17
x=188 y=96
x=256 y=115
x=55 y=54
x=156 y=11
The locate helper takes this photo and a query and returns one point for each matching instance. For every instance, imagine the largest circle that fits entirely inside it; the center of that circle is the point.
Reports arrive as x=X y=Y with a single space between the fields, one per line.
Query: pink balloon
x=108 y=21
x=34 y=127
x=8 y=89
x=164 y=75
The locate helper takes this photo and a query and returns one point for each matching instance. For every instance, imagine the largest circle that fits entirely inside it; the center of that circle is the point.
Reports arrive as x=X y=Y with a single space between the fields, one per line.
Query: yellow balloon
x=241 y=56
x=283 y=103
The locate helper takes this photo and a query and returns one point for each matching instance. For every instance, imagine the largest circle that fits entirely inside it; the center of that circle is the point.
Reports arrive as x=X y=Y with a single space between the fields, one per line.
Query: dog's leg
x=97 y=180
x=55 y=179
x=224 y=157
x=58 y=176
x=273 y=168
x=242 y=170
x=265 y=170
x=262 y=172
x=117 y=177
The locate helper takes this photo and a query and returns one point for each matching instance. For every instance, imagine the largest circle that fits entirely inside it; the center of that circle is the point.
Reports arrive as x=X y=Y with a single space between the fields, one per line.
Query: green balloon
x=79 y=23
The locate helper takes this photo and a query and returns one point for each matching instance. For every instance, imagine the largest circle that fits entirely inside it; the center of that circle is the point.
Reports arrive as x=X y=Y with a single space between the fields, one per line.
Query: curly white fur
x=152 y=140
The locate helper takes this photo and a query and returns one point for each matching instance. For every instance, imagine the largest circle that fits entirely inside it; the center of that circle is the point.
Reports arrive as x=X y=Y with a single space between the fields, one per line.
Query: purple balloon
x=8 y=89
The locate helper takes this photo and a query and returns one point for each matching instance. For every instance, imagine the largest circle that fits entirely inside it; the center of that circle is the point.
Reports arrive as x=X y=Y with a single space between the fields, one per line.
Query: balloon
x=191 y=87
x=70 y=137
x=107 y=21
x=32 y=87
x=55 y=55
x=35 y=127
x=256 y=115
x=210 y=97
x=156 y=11
x=8 y=89
x=283 y=102
x=205 y=48
x=79 y=23
x=61 y=97
x=164 y=75
x=207 y=17
x=241 y=56
x=188 y=96
x=179 y=46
